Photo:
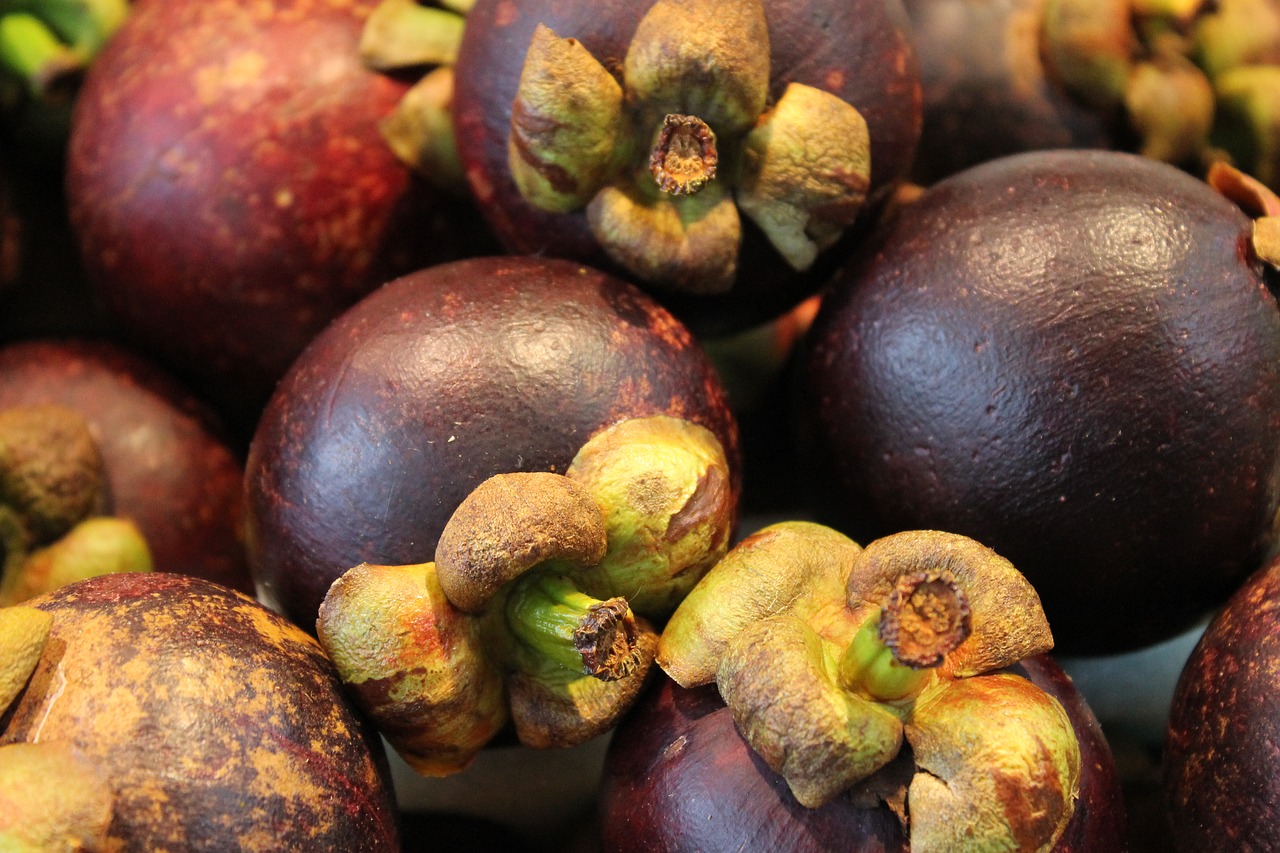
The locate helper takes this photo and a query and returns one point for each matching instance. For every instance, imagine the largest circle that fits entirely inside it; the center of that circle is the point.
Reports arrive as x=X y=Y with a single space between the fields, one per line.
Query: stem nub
x=926 y=616
x=558 y=623
x=684 y=158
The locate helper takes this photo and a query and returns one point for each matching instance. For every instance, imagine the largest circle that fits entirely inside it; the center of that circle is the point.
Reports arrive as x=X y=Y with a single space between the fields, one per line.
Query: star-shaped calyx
x=665 y=158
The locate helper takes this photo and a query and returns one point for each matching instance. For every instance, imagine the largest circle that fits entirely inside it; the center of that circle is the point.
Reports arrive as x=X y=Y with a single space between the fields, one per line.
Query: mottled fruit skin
x=230 y=190
x=438 y=381
x=219 y=724
x=1221 y=768
x=679 y=776
x=987 y=92
x=856 y=50
x=1074 y=358
x=170 y=466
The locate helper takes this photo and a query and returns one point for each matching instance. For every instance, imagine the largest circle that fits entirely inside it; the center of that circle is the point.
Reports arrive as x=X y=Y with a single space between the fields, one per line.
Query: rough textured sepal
x=511 y=523
x=1170 y=106
x=707 y=58
x=1088 y=46
x=565 y=124
x=96 y=546
x=664 y=487
x=414 y=664
x=793 y=567
x=999 y=767
x=23 y=634
x=420 y=131
x=684 y=243
x=52 y=798
x=558 y=708
x=405 y=33
x=806 y=170
x=1006 y=618
x=777 y=681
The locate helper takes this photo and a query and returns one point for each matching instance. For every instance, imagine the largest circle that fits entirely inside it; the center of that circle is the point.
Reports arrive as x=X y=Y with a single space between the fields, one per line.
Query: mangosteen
x=1187 y=83
x=215 y=722
x=168 y=465
x=721 y=154
x=1220 y=770
x=825 y=696
x=438 y=381
x=1073 y=357
x=231 y=191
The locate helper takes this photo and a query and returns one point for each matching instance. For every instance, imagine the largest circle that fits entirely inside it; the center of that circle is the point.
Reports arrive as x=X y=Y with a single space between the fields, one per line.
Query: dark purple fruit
x=438 y=381
x=169 y=466
x=1074 y=358
x=1220 y=765
x=230 y=189
x=679 y=776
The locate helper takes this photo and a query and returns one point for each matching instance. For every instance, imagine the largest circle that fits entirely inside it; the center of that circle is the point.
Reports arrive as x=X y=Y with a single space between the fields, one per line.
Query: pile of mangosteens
x=588 y=425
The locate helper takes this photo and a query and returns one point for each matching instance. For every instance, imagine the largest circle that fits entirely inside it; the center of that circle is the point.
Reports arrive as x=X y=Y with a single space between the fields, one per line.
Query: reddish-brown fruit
x=436 y=382
x=1074 y=358
x=1221 y=768
x=170 y=469
x=231 y=191
x=217 y=722
x=679 y=776
x=854 y=50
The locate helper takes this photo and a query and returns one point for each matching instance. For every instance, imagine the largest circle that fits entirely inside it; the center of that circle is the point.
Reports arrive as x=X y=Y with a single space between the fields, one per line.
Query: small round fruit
x=1074 y=358
x=217 y=723
x=170 y=468
x=1220 y=772
x=433 y=384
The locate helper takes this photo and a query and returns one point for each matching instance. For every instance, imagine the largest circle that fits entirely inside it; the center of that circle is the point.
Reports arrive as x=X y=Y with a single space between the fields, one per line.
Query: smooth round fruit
x=170 y=468
x=679 y=776
x=217 y=723
x=230 y=189
x=1074 y=358
x=855 y=50
x=436 y=382
x=1220 y=770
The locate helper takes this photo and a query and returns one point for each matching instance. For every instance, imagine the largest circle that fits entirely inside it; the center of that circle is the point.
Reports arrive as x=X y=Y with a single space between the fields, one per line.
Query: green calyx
x=664 y=160
x=401 y=35
x=46 y=42
x=53 y=493
x=874 y=648
x=533 y=612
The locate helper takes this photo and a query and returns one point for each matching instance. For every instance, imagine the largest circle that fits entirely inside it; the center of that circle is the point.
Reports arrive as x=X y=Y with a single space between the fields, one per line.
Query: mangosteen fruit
x=1186 y=83
x=1219 y=768
x=231 y=192
x=216 y=722
x=1073 y=357
x=438 y=381
x=826 y=696
x=167 y=464
x=721 y=154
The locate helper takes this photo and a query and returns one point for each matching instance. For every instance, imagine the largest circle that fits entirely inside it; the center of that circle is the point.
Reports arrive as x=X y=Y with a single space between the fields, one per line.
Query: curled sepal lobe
x=414 y=664
x=778 y=681
x=999 y=767
x=806 y=170
x=565 y=124
x=708 y=58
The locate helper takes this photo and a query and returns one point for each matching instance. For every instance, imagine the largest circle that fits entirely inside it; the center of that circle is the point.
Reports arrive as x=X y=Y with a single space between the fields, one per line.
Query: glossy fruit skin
x=1220 y=767
x=987 y=92
x=170 y=466
x=1074 y=358
x=230 y=190
x=436 y=382
x=856 y=50
x=218 y=723
x=679 y=776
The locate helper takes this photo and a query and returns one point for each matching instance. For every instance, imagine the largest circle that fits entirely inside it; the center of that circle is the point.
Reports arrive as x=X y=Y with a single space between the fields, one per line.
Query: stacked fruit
x=743 y=398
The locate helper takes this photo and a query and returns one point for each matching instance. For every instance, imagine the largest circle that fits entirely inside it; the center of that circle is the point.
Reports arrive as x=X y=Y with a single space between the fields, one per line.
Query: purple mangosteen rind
x=1084 y=374
x=438 y=381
